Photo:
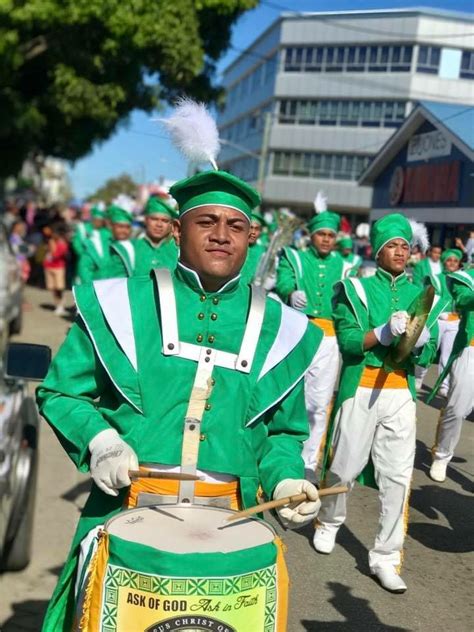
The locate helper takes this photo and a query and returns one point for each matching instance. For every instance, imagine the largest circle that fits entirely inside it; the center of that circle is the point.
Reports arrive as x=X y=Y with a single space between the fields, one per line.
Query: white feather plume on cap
x=320 y=202
x=125 y=202
x=420 y=235
x=193 y=131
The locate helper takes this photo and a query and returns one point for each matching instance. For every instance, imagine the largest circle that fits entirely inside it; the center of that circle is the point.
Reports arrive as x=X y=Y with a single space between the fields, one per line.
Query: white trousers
x=378 y=423
x=459 y=404
x=447 y=333
x=319 y=384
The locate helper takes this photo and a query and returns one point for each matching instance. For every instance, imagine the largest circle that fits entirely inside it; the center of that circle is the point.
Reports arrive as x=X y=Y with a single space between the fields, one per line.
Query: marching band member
x=142 y=349
x=121 y=254
x=256 y=250
x=346 y=249
x=156 y=249
x=460 y=367
x=375 y=411
x=92 y=249
x=305 y=280
x=429 y=266
x=448 y=320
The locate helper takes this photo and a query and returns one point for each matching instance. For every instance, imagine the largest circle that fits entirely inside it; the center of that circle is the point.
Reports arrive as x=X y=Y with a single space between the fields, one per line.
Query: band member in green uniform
x=375 y=411
x=305 y=280
x=91 y=246
x=139 y=346
x=460 y=367
x=255 y=250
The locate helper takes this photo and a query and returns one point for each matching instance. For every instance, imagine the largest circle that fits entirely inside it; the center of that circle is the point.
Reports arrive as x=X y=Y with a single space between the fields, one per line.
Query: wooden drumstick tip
x=281 y=502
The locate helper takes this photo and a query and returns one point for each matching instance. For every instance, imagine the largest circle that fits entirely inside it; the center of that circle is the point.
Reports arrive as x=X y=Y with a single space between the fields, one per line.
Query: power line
x=361 y=29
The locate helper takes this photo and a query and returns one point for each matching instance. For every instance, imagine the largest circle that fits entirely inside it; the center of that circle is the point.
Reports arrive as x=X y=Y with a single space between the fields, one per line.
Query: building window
x=375 y=58
x=467 y=65
x=428 y=59
x=245 y=168
x=319 y=165
x=341 y=113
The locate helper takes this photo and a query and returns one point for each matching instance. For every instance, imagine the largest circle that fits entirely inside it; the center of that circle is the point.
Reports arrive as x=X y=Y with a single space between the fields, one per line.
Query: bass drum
x=179 y=567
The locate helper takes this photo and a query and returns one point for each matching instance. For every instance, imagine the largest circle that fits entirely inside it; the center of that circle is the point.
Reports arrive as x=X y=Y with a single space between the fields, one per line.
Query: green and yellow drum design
x=177 y=567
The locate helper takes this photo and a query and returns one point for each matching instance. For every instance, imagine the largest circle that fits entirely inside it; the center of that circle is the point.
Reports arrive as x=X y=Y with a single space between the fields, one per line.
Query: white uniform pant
x=459 y=404
x=447 y=333
x=319 y=384
x=378 y=423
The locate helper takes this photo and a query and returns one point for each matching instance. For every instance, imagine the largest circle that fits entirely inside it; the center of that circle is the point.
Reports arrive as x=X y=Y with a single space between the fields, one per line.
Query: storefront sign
x=425 y=184
x=429 y=145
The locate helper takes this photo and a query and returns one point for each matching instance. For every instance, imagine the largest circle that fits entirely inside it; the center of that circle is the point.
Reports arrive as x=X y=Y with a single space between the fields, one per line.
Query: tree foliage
x=113 y=187
x=72 y=70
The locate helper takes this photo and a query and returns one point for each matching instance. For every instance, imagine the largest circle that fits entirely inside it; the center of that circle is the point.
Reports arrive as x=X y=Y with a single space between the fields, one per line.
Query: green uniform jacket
x=307 y=270
x=421 y=270
x=94 y=255
x=354 y=261
x=461 y=287
x=254 y=255
x=83 y=231
x=360 y=305
x=144 y=258
x=111 y=373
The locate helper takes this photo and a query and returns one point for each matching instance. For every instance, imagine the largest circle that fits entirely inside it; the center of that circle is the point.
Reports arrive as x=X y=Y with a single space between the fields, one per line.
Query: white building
x=333 y=87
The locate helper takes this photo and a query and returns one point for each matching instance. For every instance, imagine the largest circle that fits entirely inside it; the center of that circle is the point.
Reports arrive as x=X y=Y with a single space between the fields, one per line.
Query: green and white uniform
x=139 y=256
x=316 y=276
x=460 y=367
x=425 y=268
x=133 y=370
x=254 y=256
x=375 y=411
x=94 y=256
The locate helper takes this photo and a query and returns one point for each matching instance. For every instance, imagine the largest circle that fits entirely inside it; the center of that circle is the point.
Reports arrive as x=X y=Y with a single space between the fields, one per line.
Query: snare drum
x=178 y=567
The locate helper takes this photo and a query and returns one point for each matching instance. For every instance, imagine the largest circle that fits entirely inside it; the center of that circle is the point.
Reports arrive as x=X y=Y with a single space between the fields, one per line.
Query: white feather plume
x=125 y=202
x=420 y=235
x=194 y=132
x=320 y=202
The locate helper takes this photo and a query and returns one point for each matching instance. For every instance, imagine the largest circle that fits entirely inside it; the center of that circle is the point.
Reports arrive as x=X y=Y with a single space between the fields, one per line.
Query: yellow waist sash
x=376 y=377
x=326 y=324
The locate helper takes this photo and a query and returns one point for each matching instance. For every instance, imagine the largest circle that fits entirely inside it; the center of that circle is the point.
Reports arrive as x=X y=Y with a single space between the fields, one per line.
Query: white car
x=11 y=289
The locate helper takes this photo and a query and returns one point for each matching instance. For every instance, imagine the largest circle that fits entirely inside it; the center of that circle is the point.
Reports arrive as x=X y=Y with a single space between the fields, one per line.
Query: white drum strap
x=200 y=393
x=169 y=317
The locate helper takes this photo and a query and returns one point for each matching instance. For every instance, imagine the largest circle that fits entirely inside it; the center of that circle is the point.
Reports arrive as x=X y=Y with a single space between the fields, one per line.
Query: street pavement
x=334 y=592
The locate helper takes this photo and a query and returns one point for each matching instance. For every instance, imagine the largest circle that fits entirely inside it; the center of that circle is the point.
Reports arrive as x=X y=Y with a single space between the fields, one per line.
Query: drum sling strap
x=206 y=359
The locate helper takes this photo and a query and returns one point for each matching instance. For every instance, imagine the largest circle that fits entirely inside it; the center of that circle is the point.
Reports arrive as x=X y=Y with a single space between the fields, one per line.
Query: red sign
x=437 y=183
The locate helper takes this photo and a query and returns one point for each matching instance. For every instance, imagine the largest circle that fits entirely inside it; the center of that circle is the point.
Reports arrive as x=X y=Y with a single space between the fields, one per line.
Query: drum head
x=189 y=529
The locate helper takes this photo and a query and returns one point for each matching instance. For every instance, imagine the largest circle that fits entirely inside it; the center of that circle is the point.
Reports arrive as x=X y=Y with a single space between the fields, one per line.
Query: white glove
x=111 y=458
x=296 y=515
x=424 y=338
x=444 y=316
x=394 y=327
x=298 y=299
x=269 y=283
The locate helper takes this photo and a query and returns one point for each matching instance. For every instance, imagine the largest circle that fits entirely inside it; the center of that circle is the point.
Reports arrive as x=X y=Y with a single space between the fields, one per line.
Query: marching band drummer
x=140 y=357
x=305 y=280
x=375 y=412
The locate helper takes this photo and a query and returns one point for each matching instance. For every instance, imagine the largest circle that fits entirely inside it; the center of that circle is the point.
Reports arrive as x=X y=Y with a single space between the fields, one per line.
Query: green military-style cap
x=119 y=215
x=327 y=220
x=451 y=252
x=345 y=242
x=157 y=206
x=98 y=212
x=258 y=218
x=392 y=226
x=216 y=188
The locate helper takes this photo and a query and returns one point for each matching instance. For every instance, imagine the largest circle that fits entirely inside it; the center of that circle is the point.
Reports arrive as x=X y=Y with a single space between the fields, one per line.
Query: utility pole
x=267 y=126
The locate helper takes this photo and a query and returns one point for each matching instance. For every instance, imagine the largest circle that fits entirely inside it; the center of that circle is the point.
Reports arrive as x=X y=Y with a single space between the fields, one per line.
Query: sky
x=141 y=148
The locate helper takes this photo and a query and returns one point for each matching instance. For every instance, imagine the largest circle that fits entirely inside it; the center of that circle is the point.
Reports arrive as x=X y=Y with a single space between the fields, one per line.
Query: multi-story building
x=315 y=97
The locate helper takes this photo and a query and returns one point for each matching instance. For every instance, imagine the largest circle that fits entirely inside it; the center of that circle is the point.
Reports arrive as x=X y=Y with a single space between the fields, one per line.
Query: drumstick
x=170 y=476
x=281 y=502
